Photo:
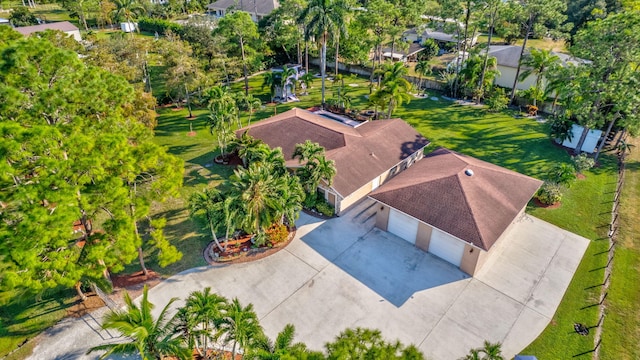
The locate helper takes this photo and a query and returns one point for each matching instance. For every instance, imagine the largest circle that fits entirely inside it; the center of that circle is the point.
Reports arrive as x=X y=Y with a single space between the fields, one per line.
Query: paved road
x=344 y=273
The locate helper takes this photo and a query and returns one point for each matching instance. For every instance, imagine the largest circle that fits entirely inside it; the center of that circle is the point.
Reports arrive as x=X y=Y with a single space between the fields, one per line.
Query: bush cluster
x=158 y=25
x=550 y=193
x=277 y=233
x=582 y=162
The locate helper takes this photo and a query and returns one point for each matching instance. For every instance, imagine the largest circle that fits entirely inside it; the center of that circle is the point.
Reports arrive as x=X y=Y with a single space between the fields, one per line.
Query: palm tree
x=282 y=348
x=209 y=202
x=307 y=150
x=249 y=102
x=270 y=80
x=423 y=68
x=204 y=310
x=245 y=146
x=492 y=351
x=292 y=196
x=307 y=80
x=240 y=326
x=537 y=63
x=257 y=191
x=285 y=79
x=151 y=338
x=324 y=17
x=127 y=9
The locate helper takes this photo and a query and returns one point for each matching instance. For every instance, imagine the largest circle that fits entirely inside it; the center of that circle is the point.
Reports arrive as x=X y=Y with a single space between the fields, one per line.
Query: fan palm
x=240 y=326
x=323 y=18
x=151 y=338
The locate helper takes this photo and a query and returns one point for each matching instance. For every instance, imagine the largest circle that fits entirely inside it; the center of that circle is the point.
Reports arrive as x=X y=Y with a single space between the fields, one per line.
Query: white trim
x=457 y=238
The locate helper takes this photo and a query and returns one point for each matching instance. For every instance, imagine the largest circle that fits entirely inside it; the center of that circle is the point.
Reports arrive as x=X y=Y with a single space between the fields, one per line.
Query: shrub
x=497 y=100
x=159 y=25
x=324 y=207
x=582 y=162
x=562 y=174
x=277 y=233
x=431 y=49
x=560 y=129
x=550 y=193
x=310 y=201
x=259 y=239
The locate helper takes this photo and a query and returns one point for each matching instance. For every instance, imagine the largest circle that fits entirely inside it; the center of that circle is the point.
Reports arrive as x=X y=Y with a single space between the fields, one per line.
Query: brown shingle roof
x=63 y=26
x=476 y=208
x=360 y=154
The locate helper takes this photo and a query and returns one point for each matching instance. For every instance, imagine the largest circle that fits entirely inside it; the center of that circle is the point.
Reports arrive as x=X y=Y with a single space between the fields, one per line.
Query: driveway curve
x=343 y=273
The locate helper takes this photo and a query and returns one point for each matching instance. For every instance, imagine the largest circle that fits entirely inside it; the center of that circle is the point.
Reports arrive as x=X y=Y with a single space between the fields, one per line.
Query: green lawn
x=621 y=334
x=517 y=143
x=22 y=318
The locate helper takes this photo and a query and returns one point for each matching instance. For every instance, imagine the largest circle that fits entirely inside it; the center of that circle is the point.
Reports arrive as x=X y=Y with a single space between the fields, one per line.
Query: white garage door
x=403 y=226
x=446 y=247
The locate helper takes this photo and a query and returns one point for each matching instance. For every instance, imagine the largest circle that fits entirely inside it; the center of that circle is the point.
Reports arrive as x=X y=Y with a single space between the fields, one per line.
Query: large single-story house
x=442 y=38
x=508 y=56
x=454 y=206
x=256 y=8
x=64 y=26
x=366 y=155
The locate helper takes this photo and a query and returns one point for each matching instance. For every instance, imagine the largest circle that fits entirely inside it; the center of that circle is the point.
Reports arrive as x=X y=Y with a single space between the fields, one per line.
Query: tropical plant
x=270 y=80
x=423 y=68
x=562 y=174
x=490 y=351
x=257 y=192
x=283 y=79
x=210 y=203
x=128 y=10
x=151 y=338
x=316 y=166
x=430 y=50
x=203 y=310
x=538 y=62
x=247 y=102
x=369 y=344
x=307 y=80
x=560 y=129
x=283 y=348
x=394 y=87
x=239 y=326
x=248 y=148
x=497 y=100
x=322 y=18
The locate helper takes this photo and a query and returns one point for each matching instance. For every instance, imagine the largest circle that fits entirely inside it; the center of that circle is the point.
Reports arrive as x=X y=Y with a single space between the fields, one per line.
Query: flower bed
x=241 y=250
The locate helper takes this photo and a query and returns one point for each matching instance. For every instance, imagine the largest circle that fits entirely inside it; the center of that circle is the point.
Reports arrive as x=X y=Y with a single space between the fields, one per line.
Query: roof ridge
x=473 y=215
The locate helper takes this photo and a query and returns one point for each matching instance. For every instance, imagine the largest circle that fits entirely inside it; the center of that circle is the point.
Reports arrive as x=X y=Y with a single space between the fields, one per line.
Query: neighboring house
x=64 y=26
x=4 y=21
x=443 y=39
x=411 y=54
x=508 y=56
x=256 y=8
x=454 y=206
x=289 y=88
x=365 y=155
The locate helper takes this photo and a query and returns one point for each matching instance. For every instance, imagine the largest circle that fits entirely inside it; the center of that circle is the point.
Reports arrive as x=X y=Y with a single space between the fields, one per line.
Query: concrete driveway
x=345 y=273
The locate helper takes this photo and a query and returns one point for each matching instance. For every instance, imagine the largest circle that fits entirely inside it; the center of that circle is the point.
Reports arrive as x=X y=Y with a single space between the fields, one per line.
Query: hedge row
x=158 y=25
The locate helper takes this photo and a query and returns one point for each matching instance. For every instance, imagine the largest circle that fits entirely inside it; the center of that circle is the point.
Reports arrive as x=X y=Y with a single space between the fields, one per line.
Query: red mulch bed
x=191 y=133
x=552 y=206
x=81 y=308
x=137 y=278
x=240 y=256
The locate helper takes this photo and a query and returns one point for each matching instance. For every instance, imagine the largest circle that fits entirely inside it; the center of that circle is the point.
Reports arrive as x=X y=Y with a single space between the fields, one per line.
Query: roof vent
x=468 y=172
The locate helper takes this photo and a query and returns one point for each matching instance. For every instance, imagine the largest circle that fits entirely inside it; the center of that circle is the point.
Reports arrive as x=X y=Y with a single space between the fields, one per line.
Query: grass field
x=517 y=143
x=621 y=334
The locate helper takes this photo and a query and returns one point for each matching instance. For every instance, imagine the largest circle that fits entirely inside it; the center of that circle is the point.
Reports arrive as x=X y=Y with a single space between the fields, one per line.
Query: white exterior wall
x=76 y=34
x=508 y=74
